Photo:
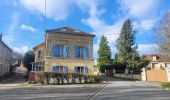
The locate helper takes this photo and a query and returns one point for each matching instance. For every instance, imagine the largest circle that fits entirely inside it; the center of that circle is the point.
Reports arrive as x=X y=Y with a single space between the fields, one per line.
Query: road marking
x=97 y=92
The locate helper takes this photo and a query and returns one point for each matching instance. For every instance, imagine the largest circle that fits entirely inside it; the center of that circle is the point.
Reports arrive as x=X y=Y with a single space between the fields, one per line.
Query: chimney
x=0 y=36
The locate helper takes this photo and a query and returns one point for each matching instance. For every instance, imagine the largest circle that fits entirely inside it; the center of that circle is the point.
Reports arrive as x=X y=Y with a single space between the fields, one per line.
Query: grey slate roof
x=69 y=30
x=5 y=45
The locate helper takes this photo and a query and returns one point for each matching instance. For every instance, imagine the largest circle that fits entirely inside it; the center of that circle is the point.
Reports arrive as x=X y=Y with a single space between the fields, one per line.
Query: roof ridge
x=67 y=29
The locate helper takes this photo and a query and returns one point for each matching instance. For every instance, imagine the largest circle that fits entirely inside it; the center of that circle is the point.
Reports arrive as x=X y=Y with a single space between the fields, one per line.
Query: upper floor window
x=59 y=69
x=154 y=58
x=81 y=52
x=60 y=51
x=40 y=54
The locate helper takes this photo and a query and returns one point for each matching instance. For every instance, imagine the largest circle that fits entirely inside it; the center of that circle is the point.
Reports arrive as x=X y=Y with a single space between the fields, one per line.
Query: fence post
x=126 y=71
x=114 y=71
x=143 y=74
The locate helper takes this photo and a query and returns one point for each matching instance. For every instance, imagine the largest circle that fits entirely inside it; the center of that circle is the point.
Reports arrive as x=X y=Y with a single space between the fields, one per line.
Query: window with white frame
x=60 y=51
x=59 y=69
x=40 y=54
x=81 y=52
x=81 y=69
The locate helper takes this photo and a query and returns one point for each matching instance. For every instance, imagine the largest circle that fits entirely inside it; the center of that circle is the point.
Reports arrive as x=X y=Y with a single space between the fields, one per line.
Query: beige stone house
x=158 y=68
x=5 y=57
x=65 y=50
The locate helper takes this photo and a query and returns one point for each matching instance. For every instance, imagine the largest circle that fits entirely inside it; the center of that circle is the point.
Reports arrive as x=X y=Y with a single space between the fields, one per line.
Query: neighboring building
x=5 y=57
x=158 y=61
x=65 y=50
x=158 y=68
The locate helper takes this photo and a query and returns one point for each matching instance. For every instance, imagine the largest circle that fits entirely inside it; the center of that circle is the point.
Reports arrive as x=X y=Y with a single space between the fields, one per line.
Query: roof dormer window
x=63 y=30
x=154 y=58
x=76 y=31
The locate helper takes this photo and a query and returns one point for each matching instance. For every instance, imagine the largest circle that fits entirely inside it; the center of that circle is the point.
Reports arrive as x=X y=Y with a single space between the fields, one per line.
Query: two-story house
x=158 y=68
x=65 y=50
x=5 y=57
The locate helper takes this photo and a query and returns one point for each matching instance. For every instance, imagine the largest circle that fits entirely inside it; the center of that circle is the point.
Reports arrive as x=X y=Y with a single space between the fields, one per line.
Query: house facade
x=5 y=57
x=65 y=50
x=158 y=68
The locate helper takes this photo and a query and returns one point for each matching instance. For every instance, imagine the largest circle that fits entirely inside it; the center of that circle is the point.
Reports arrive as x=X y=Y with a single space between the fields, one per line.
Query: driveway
x=131 y=90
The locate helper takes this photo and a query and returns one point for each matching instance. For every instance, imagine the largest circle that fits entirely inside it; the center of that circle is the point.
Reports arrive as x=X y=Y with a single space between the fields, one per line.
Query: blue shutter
x=76 y=52
x=86 y=69
x=53 y=68
x=61 y=51
x=81 y=52
x=66 y=51
x=57 y=69
x=39 y=54
x=55 y=51
x=42 y=53
x=75 y=69
x=65 y=69
x=86 y=52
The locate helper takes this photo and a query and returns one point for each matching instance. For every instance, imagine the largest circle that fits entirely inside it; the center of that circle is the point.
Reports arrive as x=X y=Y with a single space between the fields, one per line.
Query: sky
x=22 y=21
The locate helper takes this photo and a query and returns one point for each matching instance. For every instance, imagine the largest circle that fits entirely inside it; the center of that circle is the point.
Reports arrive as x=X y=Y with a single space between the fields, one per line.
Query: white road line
x=97 y=92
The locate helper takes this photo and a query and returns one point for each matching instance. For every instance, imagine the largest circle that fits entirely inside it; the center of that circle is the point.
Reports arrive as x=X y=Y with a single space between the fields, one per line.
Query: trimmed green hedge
x=116 y=66
x=64 y=78
x=166 y=85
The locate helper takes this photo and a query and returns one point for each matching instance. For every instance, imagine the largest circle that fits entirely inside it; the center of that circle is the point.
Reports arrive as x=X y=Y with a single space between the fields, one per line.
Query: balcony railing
x=38 y=66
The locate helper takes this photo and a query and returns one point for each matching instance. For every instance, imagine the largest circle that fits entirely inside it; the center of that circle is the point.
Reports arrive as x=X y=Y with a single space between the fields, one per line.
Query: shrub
x=66 y=78
x=166 y=85
x=115 y=65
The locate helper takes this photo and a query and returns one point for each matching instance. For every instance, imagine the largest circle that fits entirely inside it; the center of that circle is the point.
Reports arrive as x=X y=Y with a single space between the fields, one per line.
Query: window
x=60 y=51
x=80 y=69
x=40 y=54
x=81 y=52
x=61 y=69
x=154 y=58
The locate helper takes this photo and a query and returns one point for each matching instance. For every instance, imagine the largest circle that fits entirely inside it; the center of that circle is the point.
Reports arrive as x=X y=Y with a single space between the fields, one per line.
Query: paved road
x=61 y=92
x=131 y=90
x=116 y=90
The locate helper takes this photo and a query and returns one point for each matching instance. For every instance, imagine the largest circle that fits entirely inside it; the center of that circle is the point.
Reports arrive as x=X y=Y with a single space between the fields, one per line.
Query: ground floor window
x=60 y=69
x=80 y=69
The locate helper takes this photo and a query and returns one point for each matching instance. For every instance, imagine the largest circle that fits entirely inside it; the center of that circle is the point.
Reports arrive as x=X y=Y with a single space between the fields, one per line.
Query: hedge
x=63 y=78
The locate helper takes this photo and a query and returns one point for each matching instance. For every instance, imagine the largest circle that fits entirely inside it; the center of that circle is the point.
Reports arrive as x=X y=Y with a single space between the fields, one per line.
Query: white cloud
x=9 y=36
x=28 y=28
x=55 y=9
x=146 y=24
x=22 y=50
x=148 y=48
x=100 y=27
x=138 y=8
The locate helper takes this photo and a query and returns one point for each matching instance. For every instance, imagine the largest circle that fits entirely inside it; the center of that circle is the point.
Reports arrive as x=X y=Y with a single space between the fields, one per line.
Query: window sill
x=69 y=58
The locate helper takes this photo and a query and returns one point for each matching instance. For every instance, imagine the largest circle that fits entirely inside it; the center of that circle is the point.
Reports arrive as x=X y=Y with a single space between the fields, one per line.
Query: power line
x=44 y=15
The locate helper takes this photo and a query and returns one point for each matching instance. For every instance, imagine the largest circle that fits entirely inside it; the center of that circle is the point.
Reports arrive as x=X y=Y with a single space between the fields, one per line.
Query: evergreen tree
x=127 y=49
x=28 y=59
x=104 y=52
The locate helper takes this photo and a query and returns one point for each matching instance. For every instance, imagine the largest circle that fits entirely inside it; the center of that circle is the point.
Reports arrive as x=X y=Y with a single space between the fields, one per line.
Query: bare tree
x=163 y=34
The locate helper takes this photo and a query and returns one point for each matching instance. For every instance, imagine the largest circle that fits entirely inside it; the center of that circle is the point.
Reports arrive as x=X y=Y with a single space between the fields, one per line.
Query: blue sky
x=22 y=21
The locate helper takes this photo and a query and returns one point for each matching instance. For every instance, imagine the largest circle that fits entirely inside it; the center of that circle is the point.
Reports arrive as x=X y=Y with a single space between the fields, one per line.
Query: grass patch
x=166 y=85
